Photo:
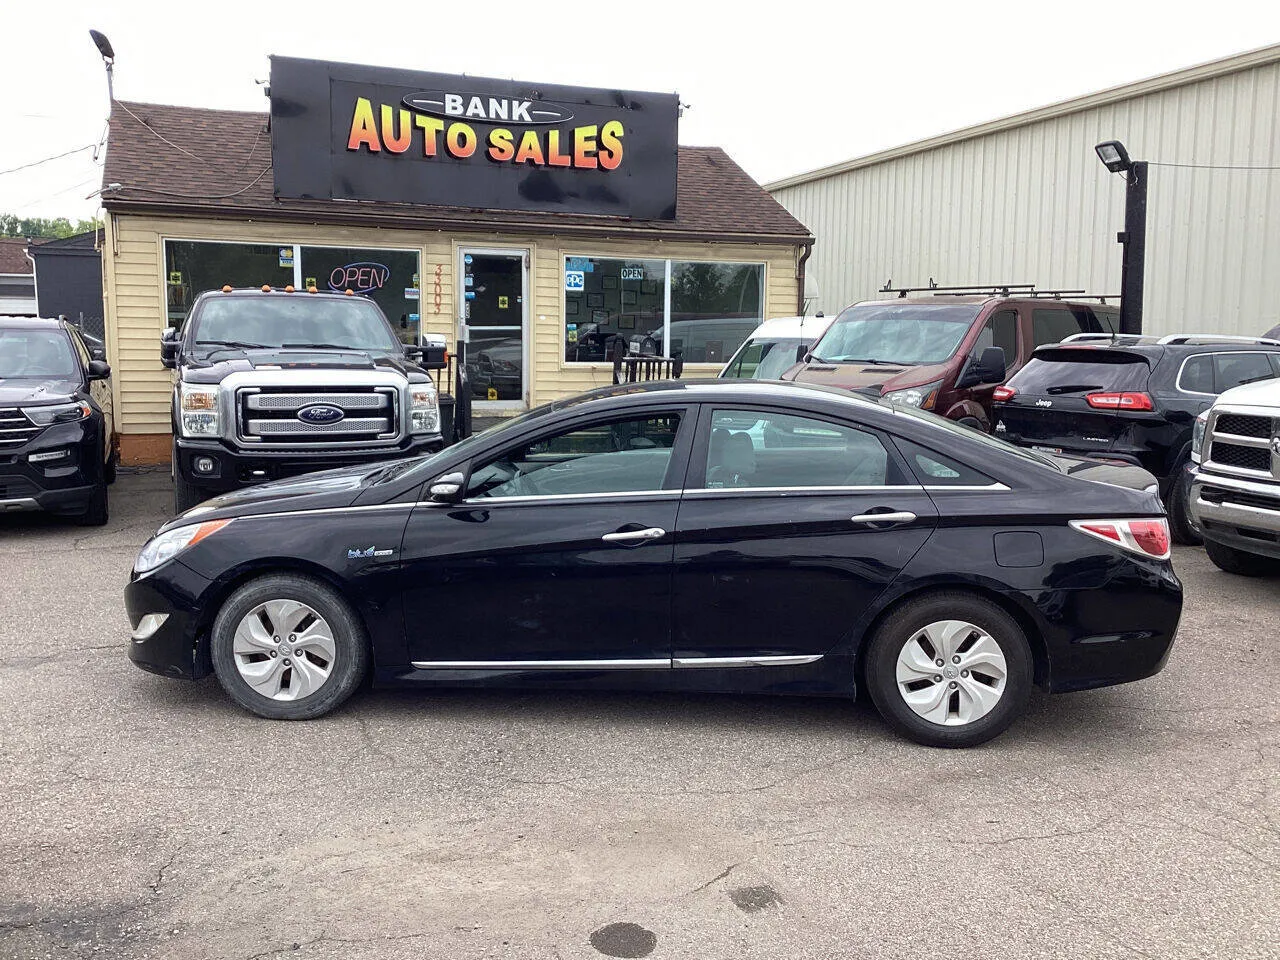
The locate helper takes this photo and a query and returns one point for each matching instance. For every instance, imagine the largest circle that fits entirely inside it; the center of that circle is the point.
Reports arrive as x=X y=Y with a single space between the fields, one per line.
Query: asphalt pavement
x=144 y=817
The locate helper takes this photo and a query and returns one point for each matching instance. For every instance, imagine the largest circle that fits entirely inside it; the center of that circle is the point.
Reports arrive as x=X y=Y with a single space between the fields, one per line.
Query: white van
x=772 y=347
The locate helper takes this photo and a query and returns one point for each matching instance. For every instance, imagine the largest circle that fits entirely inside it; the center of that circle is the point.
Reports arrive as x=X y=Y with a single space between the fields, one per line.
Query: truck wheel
x=949 y=670
x=1179 y=509
x=1239 y=562
x=97 y=513
x=288 y=647
x=185 y=495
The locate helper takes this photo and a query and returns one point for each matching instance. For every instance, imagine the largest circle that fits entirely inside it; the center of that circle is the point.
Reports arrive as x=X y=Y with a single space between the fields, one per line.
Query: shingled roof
x=218 y=163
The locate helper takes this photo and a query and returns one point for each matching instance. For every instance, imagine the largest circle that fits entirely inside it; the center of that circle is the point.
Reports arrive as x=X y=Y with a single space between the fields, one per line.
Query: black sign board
x=341 y=131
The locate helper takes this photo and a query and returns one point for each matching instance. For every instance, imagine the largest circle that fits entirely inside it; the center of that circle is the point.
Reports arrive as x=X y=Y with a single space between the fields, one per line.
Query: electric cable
x=36 y=163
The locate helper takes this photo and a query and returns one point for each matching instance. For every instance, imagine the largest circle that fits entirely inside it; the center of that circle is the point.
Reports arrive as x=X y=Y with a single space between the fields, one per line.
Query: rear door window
x=1074 y=371
x=1055 y=324
x=1233 y=369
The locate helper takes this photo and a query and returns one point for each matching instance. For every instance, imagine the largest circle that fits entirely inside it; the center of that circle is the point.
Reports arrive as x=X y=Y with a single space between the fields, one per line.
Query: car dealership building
x=540 y=223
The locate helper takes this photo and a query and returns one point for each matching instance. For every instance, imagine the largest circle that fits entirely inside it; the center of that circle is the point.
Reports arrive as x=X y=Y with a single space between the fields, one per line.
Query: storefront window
x=388 y=277
x=193 y=266
x=607 y=300
x=713 y=307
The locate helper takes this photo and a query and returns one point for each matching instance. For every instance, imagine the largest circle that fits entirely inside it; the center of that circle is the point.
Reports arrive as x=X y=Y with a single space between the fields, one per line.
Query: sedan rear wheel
x=288 y=647
x=949 y=670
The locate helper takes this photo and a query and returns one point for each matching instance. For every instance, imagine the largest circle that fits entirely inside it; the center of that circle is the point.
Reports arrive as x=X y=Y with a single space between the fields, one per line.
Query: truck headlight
x=57 y=413
x=424 y=409
x=198 y=413
x=922 y=396
x=1197 y=436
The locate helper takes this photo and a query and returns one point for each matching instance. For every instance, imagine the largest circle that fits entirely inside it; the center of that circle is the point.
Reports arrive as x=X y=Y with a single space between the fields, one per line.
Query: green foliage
x=15 y=226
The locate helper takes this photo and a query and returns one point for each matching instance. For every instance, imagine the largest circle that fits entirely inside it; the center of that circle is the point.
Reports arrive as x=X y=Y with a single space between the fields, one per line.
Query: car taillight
x=1149 y=538
x=1119 y=401
x=1001 y=394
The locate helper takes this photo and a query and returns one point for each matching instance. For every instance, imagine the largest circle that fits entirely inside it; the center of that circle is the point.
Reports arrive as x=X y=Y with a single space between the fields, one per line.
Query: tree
x=12 y=225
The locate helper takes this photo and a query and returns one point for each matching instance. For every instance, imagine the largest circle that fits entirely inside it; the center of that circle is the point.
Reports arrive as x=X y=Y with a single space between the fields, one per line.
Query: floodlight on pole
x=108 y=59
x=1113 y=156
x=1133 y=239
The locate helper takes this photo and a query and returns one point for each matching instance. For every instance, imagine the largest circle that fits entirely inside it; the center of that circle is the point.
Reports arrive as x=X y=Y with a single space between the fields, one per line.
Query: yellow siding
x=133 y=269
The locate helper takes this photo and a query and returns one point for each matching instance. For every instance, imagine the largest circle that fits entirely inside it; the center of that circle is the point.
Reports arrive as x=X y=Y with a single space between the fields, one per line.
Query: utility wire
x=159 y=136
x=1208 y=166
x=203 y=196
x=36 y=163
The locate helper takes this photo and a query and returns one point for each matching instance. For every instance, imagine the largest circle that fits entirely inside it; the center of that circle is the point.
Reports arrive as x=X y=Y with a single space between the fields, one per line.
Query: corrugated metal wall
x=1032 y=204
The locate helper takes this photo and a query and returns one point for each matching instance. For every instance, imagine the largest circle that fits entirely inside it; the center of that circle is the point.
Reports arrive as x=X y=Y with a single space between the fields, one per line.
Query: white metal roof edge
x=1165 y=81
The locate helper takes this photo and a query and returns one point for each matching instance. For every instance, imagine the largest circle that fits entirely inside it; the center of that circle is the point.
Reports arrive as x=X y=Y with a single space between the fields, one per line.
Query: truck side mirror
x=170 y=347
x=988 y=368
x=447 y=489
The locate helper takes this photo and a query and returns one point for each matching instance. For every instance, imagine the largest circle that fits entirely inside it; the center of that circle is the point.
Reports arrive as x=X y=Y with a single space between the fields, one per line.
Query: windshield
x=977 y=436
x=300 y=321
x=36 y=353
x=889 y=332
x=763 y=359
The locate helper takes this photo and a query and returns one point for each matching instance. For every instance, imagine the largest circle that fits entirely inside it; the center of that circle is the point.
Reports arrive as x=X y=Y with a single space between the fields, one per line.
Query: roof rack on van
x=1073 y=294
x=1196 y=338
x=934 y=288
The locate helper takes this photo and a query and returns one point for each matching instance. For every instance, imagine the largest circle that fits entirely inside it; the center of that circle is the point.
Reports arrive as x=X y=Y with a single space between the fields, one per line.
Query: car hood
x=851 y=376
x=1263 y=393
x=326 y=489
x=35 y=390
x=246 y=360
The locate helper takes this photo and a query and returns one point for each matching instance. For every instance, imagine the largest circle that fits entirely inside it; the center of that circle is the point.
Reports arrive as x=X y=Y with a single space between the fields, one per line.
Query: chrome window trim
x=994 y=487
x=783 y=660
x=663 y=663
x=701 y=492
x=557 y=497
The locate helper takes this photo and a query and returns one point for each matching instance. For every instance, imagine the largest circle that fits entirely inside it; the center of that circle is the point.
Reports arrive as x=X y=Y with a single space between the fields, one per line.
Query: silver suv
x=1235 y=488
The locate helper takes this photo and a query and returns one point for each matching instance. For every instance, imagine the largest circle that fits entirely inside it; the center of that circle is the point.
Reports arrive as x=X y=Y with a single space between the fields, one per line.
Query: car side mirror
x=170 y=347
x=447 y=489
x=99 y=370
x=989 y=368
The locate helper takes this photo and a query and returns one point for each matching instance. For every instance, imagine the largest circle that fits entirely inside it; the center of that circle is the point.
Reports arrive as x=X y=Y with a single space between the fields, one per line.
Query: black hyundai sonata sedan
x=698 y=536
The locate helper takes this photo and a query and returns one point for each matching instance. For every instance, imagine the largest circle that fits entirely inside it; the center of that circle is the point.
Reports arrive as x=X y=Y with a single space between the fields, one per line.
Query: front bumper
x=1239 y=513
x=64 y=486
x=173 y=649
x=235 y=467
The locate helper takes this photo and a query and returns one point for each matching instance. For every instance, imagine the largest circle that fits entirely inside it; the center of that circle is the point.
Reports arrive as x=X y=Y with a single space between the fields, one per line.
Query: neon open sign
x=362 y=277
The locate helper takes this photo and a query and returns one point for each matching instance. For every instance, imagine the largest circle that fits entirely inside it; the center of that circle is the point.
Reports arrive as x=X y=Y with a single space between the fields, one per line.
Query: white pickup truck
x=1235 y=486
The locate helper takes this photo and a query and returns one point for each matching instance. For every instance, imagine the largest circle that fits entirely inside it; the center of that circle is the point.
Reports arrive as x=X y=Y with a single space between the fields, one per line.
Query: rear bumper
x=234 y=468
x=1239 y=513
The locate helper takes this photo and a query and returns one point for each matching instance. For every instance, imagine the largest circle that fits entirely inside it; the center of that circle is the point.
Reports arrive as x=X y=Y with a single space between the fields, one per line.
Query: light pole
x=1134 y=237
x=108 y=59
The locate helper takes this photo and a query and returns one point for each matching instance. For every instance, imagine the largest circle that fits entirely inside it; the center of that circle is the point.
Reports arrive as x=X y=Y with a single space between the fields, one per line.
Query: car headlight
x=424 y=409
x=1197 y=436
x=922 y=396
x=57 y=413
x=172 y=542
x=198 y=413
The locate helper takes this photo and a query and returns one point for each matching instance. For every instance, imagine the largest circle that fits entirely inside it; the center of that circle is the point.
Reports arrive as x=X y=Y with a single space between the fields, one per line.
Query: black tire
x=97 y=513
x=185 y=495
x=1179 y=510
x=109 y=468
x=351 y=646
x=904 y=623
x=972 y=423
x=1239 y=562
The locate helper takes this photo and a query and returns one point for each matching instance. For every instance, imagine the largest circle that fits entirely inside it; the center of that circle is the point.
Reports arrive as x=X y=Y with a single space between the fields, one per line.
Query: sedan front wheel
x=288 y=647
x=949 y=670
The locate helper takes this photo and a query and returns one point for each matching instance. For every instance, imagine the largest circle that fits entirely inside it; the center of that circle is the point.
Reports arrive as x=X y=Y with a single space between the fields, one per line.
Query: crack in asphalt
x=719 y=876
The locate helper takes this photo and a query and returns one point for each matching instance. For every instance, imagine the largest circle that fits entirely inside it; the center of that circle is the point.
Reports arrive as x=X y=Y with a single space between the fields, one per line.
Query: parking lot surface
x=145 y=817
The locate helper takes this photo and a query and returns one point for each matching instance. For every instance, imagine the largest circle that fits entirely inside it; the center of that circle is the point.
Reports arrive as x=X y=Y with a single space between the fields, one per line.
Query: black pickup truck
x=273 y=383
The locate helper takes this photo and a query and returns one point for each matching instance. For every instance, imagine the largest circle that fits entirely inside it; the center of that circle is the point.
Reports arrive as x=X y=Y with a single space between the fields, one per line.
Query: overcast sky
x=784 y=87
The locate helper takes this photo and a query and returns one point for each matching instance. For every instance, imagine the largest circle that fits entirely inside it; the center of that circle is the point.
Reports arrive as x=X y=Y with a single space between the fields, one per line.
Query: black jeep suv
x=1130 y=398
x=55 y=423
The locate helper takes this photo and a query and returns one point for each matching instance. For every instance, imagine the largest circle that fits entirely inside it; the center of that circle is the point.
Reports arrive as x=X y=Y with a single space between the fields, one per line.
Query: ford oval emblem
x=320 y=414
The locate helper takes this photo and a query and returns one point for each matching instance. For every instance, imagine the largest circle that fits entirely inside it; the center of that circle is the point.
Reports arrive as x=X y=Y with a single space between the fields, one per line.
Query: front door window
x=493 y=309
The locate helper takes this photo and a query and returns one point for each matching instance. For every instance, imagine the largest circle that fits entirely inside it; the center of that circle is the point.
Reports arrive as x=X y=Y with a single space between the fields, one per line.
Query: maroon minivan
x=944 y=353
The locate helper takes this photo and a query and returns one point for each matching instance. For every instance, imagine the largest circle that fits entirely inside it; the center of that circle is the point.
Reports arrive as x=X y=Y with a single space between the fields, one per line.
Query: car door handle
x=635 y=536
x=901 y=516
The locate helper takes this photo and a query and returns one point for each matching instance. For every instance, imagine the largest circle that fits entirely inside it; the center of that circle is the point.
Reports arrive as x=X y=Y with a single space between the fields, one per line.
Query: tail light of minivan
x=1001 y=394
x=1148 y=538
x=1119 y=401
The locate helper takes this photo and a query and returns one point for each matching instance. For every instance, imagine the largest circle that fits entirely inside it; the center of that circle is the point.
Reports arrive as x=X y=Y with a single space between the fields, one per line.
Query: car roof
x=277 y=292
x=1152 y=346
x=981 y=298
x=718 y=390
x=30 y=323
x=791 y=326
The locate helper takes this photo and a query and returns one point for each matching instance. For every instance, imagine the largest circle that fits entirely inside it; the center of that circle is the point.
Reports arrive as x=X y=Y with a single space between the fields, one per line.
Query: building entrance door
x=494 y=305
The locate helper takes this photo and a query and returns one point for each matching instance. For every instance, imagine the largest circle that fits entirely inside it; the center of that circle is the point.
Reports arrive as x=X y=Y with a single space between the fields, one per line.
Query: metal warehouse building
x=1024 y=199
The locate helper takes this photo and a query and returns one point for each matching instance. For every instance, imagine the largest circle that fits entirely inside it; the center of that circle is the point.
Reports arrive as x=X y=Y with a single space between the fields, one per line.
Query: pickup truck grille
x=15 y=428
x=1247 y=458
x=1243 y=425
x=370 y=415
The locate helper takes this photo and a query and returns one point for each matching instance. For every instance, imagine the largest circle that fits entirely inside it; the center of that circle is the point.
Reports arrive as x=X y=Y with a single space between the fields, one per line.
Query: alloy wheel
x=284 y=649
x=951 y=672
